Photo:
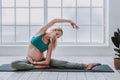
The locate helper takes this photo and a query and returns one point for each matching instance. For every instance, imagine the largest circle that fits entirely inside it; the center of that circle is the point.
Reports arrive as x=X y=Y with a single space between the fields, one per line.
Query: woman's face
x=55 y=34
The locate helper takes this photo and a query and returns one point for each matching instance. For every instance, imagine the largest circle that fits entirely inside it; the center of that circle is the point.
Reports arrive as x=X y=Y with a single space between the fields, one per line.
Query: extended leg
x=22 y=65
x=66 y=64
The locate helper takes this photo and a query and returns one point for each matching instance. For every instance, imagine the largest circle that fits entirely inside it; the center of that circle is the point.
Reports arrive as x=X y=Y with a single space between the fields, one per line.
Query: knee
x=21 y=65
x=15 y=64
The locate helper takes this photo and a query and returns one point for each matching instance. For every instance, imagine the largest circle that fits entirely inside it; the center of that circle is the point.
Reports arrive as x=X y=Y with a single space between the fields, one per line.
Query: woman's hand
x=30 y=60
x=74 y=25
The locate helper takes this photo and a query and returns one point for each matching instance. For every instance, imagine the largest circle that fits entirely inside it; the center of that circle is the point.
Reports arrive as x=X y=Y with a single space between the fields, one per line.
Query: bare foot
x=91 y=65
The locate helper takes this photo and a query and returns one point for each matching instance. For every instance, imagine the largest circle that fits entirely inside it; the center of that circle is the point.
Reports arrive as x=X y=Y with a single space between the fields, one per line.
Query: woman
x=44 y=41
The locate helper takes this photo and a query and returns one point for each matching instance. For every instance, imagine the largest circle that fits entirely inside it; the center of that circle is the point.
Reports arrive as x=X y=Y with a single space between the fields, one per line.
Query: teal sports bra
x=39 y=44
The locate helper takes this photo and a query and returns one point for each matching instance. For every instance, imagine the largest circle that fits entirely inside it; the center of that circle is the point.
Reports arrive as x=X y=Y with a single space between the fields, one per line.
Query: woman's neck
x=46 y=36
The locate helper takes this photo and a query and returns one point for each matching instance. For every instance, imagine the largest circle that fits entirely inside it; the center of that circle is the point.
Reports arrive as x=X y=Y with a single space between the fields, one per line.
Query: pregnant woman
x=44 y=41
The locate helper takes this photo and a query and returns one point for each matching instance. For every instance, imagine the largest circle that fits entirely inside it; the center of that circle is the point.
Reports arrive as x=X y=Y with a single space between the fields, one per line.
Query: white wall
x=114 y=23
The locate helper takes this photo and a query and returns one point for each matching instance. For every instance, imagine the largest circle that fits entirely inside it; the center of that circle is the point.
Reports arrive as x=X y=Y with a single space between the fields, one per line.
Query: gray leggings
x=25 y=65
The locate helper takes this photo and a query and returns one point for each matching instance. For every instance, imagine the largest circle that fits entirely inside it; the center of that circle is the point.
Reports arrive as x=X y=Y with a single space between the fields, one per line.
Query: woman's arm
x=66 y=21
x=51 y=23
x=48 y=57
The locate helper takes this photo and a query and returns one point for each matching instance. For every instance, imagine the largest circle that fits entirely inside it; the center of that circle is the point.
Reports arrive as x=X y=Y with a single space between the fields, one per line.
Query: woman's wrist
x=69 y=21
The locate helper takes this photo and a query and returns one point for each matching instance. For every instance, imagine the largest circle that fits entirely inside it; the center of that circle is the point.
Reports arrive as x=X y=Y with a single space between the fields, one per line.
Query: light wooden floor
x=63 y=75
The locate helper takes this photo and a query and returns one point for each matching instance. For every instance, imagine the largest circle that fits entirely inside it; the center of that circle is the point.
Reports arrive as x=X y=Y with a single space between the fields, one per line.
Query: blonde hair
x=54 y=42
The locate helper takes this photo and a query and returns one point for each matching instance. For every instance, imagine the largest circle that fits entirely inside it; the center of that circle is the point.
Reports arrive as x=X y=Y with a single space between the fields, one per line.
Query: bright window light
x=21 y=19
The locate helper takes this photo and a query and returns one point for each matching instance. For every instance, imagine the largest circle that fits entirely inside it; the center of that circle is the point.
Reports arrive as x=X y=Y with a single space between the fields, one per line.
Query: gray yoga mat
x=101 y=68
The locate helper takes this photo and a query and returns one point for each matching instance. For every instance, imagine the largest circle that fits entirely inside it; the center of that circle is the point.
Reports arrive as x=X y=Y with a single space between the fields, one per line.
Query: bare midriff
x=34 y=53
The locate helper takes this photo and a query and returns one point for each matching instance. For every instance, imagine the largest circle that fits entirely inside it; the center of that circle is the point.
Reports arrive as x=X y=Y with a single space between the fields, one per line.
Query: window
x=21 y=19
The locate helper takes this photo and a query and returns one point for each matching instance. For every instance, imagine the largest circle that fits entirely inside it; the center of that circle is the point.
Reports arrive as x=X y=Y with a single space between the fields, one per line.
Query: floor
x=63 y=75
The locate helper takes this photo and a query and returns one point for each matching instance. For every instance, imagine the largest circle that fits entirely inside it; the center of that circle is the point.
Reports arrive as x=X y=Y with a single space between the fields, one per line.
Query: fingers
x=74 y=26
x=30 y=60
x=77 y=27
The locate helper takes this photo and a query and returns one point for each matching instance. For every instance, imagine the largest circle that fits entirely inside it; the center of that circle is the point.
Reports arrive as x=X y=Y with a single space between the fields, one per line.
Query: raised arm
x=51 y=23
x=66 y=21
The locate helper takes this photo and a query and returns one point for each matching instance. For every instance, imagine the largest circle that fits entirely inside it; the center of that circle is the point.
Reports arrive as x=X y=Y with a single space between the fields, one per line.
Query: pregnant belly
x=35 y=54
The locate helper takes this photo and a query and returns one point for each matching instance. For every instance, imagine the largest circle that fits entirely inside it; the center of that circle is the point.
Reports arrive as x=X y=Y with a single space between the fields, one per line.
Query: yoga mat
x=101 y=68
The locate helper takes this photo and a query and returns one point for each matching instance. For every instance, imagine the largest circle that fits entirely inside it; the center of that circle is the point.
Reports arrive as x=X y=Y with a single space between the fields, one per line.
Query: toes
x=97 y=64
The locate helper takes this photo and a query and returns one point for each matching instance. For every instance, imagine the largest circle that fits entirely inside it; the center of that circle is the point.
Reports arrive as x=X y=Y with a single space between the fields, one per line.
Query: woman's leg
x=66 y=64
x=22 y=65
